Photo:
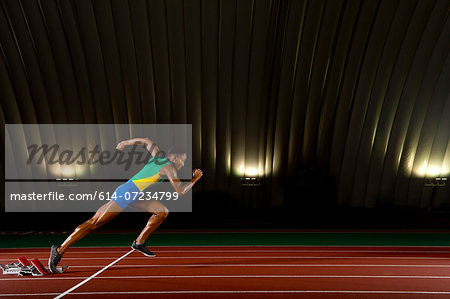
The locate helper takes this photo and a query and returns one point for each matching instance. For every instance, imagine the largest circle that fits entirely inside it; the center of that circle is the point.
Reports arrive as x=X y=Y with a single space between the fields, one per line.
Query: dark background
x=340 y=108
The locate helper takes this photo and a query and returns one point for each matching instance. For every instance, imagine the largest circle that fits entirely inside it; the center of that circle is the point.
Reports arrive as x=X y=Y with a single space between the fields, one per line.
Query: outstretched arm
x=171 y=174
x=151 y=146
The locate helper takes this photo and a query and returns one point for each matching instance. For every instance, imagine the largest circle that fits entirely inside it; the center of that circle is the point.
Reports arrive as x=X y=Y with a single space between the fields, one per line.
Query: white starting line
x=93 y=275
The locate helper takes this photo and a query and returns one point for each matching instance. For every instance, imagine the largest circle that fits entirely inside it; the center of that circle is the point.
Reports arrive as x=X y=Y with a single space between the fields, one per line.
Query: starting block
x=37 y=269
x=23 y=267
x=14 y=268
x=38 y=265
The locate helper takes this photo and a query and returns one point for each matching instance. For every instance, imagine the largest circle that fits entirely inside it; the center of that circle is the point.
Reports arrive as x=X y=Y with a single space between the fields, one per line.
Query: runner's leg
x=104 y=214
x=159 y=211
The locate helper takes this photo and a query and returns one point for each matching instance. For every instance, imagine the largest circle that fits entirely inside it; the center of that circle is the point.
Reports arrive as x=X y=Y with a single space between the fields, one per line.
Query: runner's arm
x=171 y=174
x=151 y=146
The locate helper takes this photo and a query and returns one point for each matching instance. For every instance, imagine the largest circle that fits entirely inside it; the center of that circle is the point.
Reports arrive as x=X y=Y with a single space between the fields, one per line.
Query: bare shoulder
x=168 y=171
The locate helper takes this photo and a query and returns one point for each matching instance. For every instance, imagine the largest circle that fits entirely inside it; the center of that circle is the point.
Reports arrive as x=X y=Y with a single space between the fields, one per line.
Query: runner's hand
x=197 y=173
x=121 y=145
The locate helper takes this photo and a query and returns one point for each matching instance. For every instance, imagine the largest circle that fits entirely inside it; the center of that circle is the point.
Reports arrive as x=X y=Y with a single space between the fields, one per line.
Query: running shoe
x=142 y=249
x=54 y=259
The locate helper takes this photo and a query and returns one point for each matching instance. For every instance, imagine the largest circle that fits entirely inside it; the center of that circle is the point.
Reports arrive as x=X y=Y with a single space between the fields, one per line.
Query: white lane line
x=213 y=247
x=247 y=292
x=93 y=275
x=234 y=276
x=237 y=250
x=304 y=250
x=258 y=257
x=261 y=246
x=271 y=265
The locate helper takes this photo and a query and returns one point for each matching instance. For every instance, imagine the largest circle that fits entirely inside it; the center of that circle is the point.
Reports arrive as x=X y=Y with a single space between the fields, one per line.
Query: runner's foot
x=143 y=249
x=54 y=259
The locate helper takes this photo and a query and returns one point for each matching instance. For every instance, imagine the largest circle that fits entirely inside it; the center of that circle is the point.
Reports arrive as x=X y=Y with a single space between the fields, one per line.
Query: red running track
x=238 y=272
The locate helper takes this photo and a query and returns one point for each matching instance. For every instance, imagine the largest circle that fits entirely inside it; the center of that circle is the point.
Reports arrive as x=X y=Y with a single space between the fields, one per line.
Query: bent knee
x=162 y=214
x=93 y=224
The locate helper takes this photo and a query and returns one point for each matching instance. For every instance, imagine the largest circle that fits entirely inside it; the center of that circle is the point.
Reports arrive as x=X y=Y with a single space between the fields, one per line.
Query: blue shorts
x=126 y=191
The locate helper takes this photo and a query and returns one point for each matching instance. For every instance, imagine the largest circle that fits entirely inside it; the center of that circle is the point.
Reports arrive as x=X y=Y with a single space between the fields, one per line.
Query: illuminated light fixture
x=431 y=170
x=436 y=182
x=249 y=170
x=250 y=182
x=68 y=172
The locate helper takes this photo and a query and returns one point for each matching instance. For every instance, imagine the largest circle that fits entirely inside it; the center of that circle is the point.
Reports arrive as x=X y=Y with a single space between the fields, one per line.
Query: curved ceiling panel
x=356 y=88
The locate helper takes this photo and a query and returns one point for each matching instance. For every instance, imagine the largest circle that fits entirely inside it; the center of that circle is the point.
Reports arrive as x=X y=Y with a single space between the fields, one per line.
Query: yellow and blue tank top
x=149 y=174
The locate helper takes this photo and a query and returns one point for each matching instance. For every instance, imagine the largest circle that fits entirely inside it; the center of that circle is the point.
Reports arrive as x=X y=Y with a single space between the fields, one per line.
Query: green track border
x=236 y=239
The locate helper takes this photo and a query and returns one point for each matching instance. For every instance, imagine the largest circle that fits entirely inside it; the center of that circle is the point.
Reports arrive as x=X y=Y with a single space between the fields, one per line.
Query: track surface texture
x=237 y=272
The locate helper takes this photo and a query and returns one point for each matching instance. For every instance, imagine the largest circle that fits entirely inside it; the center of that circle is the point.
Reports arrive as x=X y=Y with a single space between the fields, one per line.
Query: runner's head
x=177 y=156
